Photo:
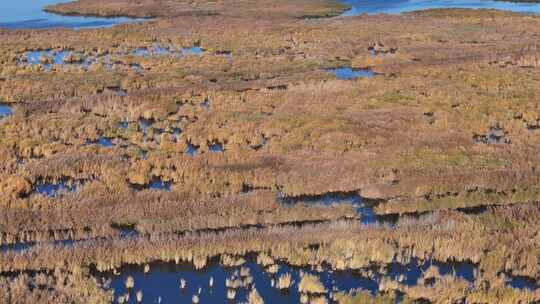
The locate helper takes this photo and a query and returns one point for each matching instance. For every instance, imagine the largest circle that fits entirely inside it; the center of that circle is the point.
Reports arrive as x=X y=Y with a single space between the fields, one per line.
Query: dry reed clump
x=284 y=281
x=231 y=261
x=254 y=297
x=265 y=260
x=361 y=297
x=310 y=284
x=59 y=286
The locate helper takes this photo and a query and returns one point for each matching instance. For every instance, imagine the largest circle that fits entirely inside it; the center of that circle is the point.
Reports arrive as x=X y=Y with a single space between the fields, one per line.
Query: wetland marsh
x=269 y=151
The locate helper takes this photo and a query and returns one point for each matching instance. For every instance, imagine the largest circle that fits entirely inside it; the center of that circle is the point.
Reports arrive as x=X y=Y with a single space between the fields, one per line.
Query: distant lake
x=401 y=6
x=29 y=14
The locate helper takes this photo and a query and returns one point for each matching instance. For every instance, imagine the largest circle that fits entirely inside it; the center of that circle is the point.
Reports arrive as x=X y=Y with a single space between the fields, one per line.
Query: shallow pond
x=54 y=189
x=350 y=74
x=162 y=281
x=156 y=183
x=520 y=282
x=191 y=149
x=29 y=14
x=104 y=142
x=216 y=148
x=5 y=110
x=49 y=58
x=17 y=247
x=400 y=6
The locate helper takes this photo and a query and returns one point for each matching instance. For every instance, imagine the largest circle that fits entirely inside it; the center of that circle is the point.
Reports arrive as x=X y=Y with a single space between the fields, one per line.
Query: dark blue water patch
x=400 y=6
x=522 y=282
x=16 y=247
x=29 y=14
x=101 y=141
x=216 y=148
x=123 y=125
x=194 y=50
x=145 y=124
x=364 y=209
x=5 y=110
x=158 y=184
x=163 y=283
x=409 y=274
x=463 y=270
x=351 y=74
x=175 y=134
x=55 y=189
x=191 y=149
x=104 y=142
